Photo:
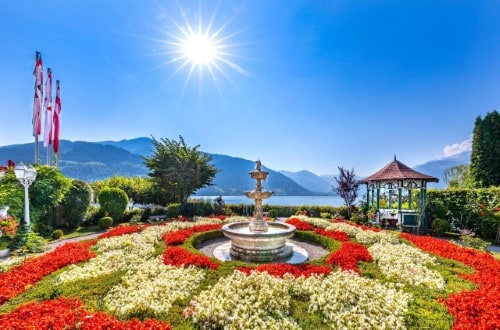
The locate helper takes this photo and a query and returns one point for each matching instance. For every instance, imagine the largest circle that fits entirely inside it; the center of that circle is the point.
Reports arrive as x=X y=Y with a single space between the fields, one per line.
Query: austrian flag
x=37 y=102
x=47 y=104
x=57 y=113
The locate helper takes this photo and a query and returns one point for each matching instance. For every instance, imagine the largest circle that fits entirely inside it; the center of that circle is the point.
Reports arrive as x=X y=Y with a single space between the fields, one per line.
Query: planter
x=4 y=253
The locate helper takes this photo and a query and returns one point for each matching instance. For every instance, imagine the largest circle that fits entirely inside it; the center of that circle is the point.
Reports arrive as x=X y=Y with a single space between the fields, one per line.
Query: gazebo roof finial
x=394 y=156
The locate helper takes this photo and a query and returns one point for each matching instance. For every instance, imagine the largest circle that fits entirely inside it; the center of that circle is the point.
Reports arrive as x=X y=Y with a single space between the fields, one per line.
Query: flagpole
x=36 y=149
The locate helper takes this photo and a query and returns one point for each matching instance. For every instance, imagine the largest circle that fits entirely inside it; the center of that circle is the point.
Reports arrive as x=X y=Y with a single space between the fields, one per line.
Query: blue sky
x=305 y=84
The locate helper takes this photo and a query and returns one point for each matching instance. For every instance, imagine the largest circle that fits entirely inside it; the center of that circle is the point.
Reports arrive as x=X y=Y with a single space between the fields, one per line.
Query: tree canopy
x=485 y=156
x=179 y=170
x=346 y=187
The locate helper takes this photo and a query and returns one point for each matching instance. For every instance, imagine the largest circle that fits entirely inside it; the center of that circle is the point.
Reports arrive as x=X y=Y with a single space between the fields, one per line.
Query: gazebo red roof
x=396 y=170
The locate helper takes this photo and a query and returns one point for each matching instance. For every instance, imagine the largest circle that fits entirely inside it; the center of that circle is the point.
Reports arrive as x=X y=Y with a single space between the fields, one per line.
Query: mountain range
x=91 y=161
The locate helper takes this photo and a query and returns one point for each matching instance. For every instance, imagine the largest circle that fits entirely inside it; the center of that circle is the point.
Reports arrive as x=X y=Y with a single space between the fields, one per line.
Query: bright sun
x=199 y=49
x=202 y=48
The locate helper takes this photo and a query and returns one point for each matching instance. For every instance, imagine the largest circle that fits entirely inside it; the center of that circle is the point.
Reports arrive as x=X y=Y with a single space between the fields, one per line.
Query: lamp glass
x=19 y=170
x=30 y=173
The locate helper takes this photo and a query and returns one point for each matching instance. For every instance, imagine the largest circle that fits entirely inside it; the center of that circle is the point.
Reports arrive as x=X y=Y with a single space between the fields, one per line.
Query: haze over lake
x=282 y=200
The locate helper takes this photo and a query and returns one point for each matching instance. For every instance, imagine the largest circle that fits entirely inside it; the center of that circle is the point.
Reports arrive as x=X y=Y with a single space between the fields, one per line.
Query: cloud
x=457 y=148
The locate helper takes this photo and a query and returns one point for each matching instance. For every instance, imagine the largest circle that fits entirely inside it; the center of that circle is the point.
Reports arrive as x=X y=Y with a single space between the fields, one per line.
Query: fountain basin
x=259 y=246
x=258 y=194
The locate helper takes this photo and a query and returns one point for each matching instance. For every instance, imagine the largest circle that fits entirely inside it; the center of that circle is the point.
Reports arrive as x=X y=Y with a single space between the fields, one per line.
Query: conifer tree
x=485 y=156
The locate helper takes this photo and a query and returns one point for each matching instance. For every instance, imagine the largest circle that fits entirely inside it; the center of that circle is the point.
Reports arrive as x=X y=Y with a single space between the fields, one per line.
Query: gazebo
x=394 y=186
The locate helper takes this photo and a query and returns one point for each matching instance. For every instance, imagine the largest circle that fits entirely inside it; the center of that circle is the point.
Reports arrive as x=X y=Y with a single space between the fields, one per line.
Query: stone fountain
x=258 y=240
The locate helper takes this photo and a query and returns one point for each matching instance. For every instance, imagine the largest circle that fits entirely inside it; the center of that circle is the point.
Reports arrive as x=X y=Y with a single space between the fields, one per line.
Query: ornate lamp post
x=26 y=175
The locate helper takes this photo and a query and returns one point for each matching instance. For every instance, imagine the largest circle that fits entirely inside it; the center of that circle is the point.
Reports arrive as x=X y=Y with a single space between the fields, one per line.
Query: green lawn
x=79 y=231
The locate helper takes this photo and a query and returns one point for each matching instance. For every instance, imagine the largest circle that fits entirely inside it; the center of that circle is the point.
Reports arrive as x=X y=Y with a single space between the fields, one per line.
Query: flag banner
x=57 y=112
x=47 y=105
x=37 y=102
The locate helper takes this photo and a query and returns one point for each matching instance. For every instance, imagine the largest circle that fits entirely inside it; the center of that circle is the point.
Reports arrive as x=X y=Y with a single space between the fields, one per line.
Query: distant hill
x=91 y=161
x=310 y=181
x=88 y=161
x=234 y=179
x=436 y=168
x=140 y=146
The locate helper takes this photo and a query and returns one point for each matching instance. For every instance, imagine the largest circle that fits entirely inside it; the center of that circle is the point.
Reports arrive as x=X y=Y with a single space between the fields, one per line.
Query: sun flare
x=199 y=49
x=203 y=48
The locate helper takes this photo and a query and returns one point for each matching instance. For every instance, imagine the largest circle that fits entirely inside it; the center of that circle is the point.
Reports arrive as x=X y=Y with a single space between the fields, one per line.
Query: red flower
x=8 y=226
x=280 y=269
x=179 y=236
x=299 y=224
x=69 y=313
x=348 y=255
x=336 y=235
x=122 y=230
x=478 y=309
x=18 y=279
x=177 y=256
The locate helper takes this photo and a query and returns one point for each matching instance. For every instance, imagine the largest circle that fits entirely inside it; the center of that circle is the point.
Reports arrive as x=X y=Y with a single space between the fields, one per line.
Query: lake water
x=281 y=200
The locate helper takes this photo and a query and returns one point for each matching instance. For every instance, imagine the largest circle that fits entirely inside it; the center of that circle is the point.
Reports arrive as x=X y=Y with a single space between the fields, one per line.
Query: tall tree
x=346 y=187
x=179 y=170
x=485 y=156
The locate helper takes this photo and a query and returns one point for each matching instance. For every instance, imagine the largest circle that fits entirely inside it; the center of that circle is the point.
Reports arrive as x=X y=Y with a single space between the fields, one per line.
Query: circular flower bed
x=152 y=277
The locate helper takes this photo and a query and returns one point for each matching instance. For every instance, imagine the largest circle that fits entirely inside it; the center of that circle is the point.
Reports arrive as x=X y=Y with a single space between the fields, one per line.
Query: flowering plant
x=8 y=226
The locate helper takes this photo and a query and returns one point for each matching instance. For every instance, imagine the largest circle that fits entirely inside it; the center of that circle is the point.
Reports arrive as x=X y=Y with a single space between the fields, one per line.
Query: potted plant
x=8 y=229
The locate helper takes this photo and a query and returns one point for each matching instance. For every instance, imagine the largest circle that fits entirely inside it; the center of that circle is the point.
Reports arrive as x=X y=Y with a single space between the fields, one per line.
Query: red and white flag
x=37 y=102
x=57 y=112
x=47 y=105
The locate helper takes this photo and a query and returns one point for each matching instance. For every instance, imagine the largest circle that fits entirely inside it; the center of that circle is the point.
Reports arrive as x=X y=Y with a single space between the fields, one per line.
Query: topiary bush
x=105 y=222
x=76 y=202
x=113 y=201
x=57 y=234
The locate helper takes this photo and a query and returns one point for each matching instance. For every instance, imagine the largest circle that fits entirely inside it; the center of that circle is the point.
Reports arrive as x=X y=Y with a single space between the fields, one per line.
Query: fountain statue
x=259 y=240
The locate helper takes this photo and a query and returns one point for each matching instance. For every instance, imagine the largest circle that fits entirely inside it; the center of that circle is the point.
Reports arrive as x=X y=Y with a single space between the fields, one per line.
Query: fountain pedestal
x=258 y=240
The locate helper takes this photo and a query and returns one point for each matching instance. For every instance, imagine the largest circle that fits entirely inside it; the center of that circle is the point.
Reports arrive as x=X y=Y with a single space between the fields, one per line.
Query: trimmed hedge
x=464 y=209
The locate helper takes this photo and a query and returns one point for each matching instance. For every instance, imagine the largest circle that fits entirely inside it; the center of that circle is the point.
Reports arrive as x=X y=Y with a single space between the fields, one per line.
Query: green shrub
x=474 y=242
x=196 y=208
x=273 y=213
x=325 y=215
x=105 y=222
x=136 y=218
x=76 y=202
x=113 y=201
x=93 y=216
x=27 y=242
x=129 y=215
x=146 y=213
x=462 y=208
x=440 y=226
x=57 y=234
x=173 y=210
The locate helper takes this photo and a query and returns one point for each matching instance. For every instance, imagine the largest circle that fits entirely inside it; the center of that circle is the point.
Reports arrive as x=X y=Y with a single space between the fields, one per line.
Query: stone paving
x=315 y=251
